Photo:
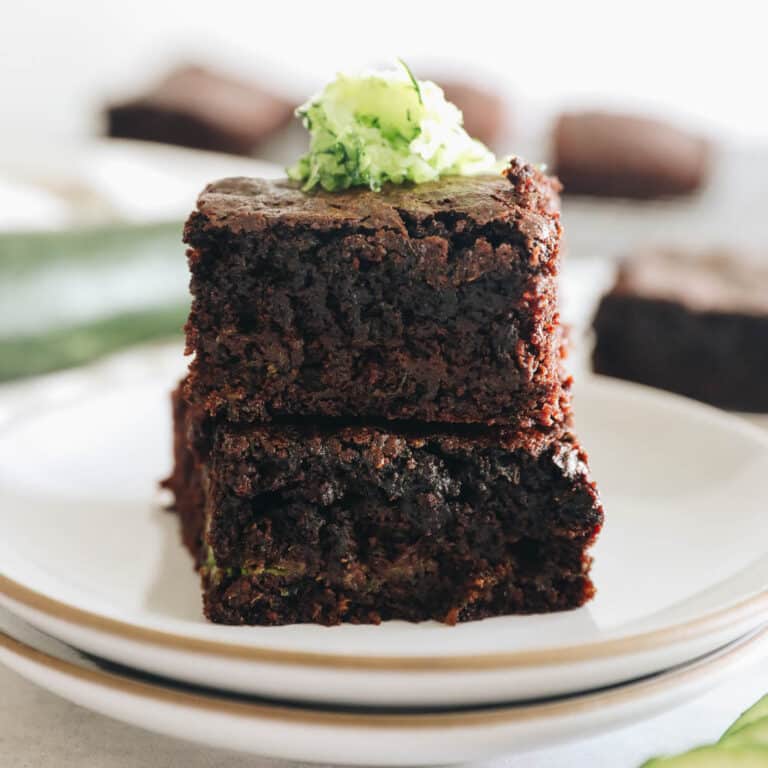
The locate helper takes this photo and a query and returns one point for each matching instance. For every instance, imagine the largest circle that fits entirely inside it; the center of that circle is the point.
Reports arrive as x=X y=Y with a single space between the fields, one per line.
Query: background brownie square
x=692 y=323
x=195 y=107
x=616 y=155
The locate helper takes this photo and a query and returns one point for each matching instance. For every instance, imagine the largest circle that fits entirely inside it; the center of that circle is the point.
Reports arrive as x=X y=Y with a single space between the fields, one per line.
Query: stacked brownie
x=376 y=422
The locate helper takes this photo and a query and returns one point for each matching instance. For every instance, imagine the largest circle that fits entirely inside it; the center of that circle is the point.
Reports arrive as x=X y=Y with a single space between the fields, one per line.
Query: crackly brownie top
x=523 y=196
x=710 y=281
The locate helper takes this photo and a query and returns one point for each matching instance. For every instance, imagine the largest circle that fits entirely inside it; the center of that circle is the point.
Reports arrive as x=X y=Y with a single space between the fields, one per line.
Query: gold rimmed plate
x=348 y=736
x=89 y=556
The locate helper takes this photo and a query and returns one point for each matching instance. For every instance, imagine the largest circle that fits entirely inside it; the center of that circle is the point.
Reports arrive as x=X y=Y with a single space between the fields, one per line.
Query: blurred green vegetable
x=69 y=297
x=67 y=347
x=25 y=252
x=756 y=712
x=743 y=745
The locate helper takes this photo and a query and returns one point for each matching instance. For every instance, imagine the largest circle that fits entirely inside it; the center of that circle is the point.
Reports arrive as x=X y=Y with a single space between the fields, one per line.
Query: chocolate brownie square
x=615 y=155
x=688 y=322
x=325 y=524
x=431 y=303
x=195 y=107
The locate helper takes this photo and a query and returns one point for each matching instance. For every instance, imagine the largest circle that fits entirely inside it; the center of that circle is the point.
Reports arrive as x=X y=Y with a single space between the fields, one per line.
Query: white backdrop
x=704 y=62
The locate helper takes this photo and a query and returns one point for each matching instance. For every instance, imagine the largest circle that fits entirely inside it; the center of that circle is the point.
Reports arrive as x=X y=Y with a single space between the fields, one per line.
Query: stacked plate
x=89 y=557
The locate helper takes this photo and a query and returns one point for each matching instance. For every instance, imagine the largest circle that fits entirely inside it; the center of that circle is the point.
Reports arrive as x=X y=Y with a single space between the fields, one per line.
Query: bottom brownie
x=362 y=524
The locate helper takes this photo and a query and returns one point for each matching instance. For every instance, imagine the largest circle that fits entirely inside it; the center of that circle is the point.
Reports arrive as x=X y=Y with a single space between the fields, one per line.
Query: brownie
x=195 y=107
x=376 y=421
x=430 y=303
x=324 y=524
x=615 y=155
x=693 y=323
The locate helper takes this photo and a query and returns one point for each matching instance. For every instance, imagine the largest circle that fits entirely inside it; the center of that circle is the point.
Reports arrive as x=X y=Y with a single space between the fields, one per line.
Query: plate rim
x=102 y=372
x=219 y=703
x=559 y=655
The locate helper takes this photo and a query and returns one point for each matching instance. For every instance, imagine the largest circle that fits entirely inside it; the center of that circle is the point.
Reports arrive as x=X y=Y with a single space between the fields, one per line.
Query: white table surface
x=39 y=730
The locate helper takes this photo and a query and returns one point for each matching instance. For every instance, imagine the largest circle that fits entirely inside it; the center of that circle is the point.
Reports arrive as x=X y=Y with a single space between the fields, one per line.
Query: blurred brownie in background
x=483 y=109
x=693 y=323
x=194 y=107
x=614 y=155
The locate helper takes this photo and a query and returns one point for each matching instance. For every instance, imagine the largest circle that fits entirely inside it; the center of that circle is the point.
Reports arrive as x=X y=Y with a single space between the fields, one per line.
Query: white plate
x=88 y=556
x=359 y=738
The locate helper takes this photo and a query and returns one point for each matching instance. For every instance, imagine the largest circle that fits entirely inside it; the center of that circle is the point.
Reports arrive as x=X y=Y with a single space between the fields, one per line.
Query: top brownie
x=433 y=303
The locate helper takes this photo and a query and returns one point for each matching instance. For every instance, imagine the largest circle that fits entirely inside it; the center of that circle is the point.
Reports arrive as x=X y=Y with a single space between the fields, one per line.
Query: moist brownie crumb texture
x=376 y=420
